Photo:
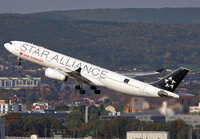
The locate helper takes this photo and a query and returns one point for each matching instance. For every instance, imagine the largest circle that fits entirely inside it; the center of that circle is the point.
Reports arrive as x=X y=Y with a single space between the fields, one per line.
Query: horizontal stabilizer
x=185 y=95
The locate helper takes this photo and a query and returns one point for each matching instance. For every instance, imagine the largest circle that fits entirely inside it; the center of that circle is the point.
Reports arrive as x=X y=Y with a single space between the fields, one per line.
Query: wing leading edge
x=80 y=78
x=76 y=74
x=135 y=74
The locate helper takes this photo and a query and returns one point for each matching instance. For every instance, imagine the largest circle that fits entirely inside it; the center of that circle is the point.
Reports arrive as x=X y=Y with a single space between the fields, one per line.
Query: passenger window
x=126 y=80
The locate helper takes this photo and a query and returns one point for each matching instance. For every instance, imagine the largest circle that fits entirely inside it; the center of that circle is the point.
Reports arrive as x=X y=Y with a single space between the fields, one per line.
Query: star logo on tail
x=169 y=83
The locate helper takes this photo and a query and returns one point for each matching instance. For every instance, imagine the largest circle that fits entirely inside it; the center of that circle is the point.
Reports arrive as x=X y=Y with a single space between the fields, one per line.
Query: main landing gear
x=95 y=89
x=81 y=91
x=80 y=88
x=18 y=61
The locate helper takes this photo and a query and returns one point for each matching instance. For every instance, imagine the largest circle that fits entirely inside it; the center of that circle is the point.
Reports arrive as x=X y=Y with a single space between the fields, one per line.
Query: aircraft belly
x=133 y=87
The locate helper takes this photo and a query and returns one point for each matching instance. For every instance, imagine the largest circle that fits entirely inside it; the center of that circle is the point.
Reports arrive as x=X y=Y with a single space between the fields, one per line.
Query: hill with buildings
x=117 y=46
x=147 y=15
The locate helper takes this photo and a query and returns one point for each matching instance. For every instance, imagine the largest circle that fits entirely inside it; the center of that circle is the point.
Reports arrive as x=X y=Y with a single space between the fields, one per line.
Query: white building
x=194 y=109
x=147 y=135
x=193 y=120
x=111 y=109
x=2 y=67
x=19 y=82
x=40 y=107
x=6 y=107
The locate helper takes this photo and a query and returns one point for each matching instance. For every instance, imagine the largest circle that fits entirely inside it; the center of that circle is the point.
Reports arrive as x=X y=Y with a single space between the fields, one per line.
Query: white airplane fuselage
x=98 y=76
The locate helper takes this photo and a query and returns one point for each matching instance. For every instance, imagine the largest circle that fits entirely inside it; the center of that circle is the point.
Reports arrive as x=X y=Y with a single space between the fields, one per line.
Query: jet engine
x=54 y=74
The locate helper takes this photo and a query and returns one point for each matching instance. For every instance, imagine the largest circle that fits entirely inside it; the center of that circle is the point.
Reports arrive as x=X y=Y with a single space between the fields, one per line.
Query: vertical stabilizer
x=172 y=80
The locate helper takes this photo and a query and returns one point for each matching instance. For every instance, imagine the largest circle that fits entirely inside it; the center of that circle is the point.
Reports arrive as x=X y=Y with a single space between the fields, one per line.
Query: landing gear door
x=142 y=88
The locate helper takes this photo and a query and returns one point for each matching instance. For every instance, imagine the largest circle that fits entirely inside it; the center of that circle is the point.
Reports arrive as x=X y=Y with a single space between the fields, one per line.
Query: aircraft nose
x=7 y=45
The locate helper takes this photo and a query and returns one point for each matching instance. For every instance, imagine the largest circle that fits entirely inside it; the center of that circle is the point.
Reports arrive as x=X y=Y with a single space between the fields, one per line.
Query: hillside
x=147 y=15
x=54 y=15
x=109 y=44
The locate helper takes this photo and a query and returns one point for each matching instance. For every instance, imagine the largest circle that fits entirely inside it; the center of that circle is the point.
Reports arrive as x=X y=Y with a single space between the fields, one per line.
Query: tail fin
x=172 y=80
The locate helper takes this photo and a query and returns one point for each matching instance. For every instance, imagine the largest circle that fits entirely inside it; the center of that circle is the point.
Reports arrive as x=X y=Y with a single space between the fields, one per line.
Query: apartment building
x=7 y=106
x=19 y=82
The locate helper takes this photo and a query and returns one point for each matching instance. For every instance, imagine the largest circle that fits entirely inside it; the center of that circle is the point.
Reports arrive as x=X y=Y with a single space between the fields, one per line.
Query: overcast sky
x=31 y=6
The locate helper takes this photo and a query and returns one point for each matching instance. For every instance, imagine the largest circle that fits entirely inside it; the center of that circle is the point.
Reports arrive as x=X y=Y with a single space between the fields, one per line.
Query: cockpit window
x=12 y=43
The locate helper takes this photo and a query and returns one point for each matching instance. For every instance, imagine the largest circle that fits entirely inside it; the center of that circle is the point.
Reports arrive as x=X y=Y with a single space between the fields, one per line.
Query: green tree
x=120 y=126
x=61 y=107
x=74 y=120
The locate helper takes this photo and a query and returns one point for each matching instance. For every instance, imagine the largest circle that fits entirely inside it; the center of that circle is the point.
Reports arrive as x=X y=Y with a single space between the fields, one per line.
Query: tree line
x=109 y=44
x=76 y=127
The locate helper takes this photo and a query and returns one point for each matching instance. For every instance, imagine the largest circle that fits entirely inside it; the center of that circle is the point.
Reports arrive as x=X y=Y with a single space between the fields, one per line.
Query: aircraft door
x=141 y=90
x=16 y=47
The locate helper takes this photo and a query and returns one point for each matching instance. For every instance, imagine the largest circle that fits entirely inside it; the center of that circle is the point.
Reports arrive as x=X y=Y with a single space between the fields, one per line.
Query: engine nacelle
x=54 y=74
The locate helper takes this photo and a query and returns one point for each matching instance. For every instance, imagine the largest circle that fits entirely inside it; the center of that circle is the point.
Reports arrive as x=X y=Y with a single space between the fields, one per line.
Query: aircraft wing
x=76 y=75
x=135 y=74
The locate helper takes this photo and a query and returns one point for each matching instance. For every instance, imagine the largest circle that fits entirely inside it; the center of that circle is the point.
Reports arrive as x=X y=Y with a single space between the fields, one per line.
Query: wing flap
x=76 y=75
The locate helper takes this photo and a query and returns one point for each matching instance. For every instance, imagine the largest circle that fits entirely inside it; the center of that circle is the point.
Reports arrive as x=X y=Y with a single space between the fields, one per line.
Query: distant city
x=135 y=108
x=130 y=39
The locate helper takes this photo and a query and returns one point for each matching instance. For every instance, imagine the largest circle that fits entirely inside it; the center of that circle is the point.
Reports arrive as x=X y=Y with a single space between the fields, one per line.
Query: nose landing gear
x=18 y=61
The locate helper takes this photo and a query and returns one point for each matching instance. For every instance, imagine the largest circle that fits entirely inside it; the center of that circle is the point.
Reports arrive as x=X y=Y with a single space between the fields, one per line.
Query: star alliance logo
x=169 y=83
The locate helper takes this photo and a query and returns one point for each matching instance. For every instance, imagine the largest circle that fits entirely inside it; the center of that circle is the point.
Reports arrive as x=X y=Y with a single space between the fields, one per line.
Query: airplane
x=60 y=67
